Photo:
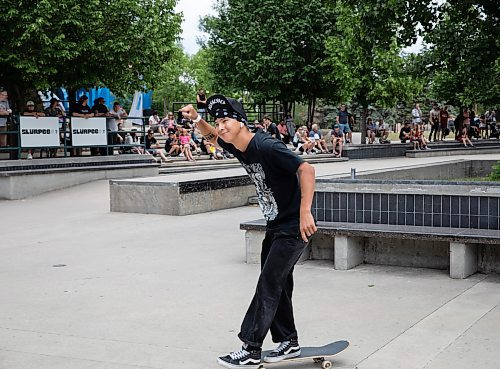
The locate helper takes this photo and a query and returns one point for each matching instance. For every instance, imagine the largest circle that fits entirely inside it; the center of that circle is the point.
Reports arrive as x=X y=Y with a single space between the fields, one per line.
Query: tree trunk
x=362 y=125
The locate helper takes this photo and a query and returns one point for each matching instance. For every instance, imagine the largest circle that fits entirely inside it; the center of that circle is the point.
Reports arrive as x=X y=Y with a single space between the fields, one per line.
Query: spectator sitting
x=382 y=132
x=371 y=129
x=282 y=128
x=319 y=142
x=172 y=144
x=308 y=145
x=185 y=139
x=132 y=139
x=405 y=133
x=270 y=127
x=168 y=122
x=337 y=140
x=463 y=137
x=31 y=112
x=116 y=115
x=154 y=124
x=152 y=146
x=419 y=140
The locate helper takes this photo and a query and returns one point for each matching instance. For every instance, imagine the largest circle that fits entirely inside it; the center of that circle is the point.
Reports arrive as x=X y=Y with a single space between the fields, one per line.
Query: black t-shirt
x=273 y=169
x=169 y=142
x=404 y=131
x=149 y=141
x=273 y=130
x=201 y=105
x=343 y=117
x=100 y=108
x=82 y=109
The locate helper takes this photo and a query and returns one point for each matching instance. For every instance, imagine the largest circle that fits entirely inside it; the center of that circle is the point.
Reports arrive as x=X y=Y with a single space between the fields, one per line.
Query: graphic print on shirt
x=267 y=202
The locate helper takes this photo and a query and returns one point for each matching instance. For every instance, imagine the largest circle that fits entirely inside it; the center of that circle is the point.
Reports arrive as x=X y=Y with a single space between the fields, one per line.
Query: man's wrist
x=197 y=119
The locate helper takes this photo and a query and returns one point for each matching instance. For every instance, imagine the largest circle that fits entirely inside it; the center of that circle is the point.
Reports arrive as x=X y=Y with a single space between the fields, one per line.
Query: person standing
x=201 y=102
x=343 y=119
x=285 y=188
x=416 y=114
x=5 y=111
x=31 y=111
x=434 y=120
x=444 y=116
x=82 y=110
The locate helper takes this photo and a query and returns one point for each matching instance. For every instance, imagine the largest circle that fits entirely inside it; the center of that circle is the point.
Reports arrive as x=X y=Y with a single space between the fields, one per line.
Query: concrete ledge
x=453 y=151
x=182 y=194
x=21 y=179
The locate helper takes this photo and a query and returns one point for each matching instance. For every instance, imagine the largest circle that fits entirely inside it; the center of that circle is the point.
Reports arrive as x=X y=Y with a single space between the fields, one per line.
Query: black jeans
x=271 y=307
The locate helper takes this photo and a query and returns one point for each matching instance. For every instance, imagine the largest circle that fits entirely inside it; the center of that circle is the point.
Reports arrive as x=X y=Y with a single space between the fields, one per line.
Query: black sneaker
x=286 y=350
x=241 y=359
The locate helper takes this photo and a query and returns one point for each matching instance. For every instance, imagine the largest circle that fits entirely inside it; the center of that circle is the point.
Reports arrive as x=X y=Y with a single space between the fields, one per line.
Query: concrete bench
x=453 y=151
x=462 y=251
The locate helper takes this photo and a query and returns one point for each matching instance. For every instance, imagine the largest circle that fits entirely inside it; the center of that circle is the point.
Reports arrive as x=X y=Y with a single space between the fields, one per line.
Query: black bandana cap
x=219 y=106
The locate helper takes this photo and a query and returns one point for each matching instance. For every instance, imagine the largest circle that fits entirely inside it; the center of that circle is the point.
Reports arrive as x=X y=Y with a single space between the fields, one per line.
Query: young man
x=343 y=119
x=270 y=127
x=434 y=120
x=285 y=189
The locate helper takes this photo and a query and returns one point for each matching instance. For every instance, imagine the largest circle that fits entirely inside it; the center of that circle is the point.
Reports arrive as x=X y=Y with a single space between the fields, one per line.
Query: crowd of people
x=172 y=135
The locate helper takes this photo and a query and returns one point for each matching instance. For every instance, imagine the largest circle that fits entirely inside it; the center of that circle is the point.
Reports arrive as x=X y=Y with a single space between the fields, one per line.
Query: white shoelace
x=281 y=346
x=238 y=354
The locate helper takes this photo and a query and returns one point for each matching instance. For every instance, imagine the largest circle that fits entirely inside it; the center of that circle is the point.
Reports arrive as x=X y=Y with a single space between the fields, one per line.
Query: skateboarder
x=285 y=189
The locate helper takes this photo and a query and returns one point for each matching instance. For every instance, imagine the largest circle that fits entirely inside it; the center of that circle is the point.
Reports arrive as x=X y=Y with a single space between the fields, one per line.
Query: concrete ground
x=85 y=288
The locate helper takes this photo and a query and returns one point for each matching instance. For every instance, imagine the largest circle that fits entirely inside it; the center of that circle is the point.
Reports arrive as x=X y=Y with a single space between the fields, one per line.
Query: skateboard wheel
x=326 y=364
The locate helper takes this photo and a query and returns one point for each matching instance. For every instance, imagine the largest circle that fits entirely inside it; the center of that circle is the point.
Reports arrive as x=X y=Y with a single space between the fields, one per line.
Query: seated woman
x=371 y=129
x=301 y=146
x=463 y=137
x=131 y=139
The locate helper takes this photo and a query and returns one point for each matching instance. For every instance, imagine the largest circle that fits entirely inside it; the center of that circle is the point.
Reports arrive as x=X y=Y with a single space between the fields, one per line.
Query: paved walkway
x=85 y=288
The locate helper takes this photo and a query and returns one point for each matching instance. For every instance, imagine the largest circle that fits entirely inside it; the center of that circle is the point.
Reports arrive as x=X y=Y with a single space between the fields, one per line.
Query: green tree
x=462 y=63
x=271 y=48
x=120 y=44
x=365 y=54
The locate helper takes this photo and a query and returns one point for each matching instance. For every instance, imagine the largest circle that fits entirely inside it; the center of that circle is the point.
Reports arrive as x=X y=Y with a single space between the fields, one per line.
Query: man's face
x=4 y=96
x=117 y=107
x=417 y=106
x=228 y=129
x=342 y=107
x=31 y=107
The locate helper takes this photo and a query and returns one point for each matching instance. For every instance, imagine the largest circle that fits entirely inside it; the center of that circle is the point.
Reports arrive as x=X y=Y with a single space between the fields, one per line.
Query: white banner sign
x=39 y=132
x=88 y=132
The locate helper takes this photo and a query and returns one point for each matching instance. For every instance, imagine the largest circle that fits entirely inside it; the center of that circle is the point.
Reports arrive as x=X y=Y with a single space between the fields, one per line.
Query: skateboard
x=318 y=354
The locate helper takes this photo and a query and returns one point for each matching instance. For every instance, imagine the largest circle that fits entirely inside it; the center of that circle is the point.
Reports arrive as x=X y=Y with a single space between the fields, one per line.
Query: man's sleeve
x=281 y=158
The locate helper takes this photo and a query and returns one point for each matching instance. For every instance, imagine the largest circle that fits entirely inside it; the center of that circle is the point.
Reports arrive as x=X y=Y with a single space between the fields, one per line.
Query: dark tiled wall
x=404 y=209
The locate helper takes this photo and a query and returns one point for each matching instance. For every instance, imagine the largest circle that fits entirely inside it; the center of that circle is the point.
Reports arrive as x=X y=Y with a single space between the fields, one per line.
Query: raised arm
x=209 y=132
x=306 y=174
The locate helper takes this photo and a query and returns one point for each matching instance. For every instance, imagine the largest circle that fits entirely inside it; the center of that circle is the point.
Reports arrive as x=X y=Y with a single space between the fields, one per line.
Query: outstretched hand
x=307 y=225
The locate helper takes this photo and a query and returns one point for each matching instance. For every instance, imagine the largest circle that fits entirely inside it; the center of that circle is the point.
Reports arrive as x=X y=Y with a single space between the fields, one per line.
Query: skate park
x=88 y=287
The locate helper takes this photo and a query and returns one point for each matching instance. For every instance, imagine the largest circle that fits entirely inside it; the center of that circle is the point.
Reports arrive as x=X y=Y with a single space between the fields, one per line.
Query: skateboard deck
x=317 y=354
